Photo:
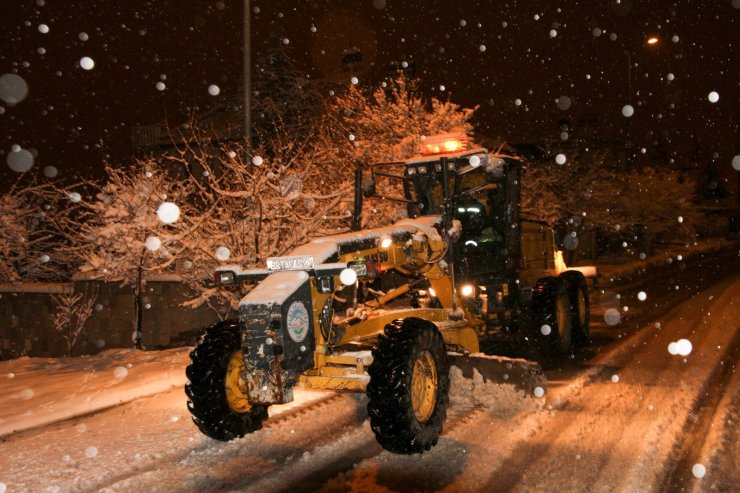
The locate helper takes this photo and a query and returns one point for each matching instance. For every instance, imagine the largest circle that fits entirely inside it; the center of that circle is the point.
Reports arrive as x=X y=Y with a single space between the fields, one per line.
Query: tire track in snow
x=559 y=442
x=216 y=466
x=332 y=463
x=678 y=475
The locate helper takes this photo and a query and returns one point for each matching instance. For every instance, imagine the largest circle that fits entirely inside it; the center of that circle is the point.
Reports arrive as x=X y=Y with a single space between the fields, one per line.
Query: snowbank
x=39 y=391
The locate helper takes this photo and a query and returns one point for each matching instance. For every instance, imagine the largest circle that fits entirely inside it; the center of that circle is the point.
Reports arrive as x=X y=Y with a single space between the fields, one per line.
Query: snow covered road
x=632 y=418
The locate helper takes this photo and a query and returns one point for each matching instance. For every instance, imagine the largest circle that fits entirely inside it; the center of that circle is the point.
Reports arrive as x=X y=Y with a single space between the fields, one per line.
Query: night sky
x=527 y=64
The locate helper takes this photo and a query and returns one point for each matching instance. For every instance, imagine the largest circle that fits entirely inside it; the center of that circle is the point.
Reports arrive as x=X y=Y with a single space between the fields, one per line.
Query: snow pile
x=499 y=400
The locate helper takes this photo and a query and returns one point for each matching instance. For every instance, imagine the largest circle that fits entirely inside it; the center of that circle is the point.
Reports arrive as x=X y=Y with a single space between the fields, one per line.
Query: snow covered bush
x=589 y=192
x=32 y=249
x=131 y=226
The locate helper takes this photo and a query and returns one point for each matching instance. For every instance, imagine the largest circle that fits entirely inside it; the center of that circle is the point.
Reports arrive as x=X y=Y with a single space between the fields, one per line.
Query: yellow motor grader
x=388 y=310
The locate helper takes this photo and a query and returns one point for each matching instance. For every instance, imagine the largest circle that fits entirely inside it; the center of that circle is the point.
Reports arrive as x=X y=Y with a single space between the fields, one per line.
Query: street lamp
x=649 y=41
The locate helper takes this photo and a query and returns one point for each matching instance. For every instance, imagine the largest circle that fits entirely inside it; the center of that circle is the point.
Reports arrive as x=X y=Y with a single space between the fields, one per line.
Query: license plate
x=300 y=262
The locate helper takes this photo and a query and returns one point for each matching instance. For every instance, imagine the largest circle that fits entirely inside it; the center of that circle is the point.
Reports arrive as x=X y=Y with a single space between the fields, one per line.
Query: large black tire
x=553 y=317
x=220 y=410
x=409 y=383
x=580 y=307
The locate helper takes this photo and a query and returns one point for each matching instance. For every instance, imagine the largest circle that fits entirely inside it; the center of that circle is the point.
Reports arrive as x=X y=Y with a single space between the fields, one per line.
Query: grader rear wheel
x=554 y=317
x=409 y=382
x=580 y=306
x=217 y=394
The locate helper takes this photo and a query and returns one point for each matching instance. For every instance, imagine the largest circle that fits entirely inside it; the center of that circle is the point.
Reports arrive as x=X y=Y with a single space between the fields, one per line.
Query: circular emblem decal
x=297 y=322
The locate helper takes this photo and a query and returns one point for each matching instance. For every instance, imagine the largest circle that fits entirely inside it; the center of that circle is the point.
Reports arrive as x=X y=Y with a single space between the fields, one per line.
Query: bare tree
x=257 y=206
x=386 y=124
x=70 y=316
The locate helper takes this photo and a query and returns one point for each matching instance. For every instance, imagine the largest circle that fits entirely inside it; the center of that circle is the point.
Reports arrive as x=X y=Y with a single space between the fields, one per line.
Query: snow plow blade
x=524 y=375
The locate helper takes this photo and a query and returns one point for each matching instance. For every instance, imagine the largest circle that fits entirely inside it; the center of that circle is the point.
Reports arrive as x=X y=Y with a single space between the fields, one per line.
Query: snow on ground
x=39 y=391
x=610 y=428
x=44 y=390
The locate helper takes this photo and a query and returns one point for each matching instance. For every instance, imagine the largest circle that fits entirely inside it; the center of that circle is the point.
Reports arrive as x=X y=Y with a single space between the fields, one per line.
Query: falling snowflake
x=43 y=28
x=354 y=80
x=26 y=394
x=87 y=63
x=563 y=102
x=20 y=160
x=50 y=172
x=91 y=452
x=684 y=347
x=222 y=253
x=214 y=90
x=612 y=316
x=699 y=471
x=713 y=97
x=615 y=378
x=257 y=160
x=546 y=330
x=291 y=187
x=120 y=372
x=642 y=296
x=628 y=110
x=539 y=392
x=560 y=159
x=168 y=212
x=152 y=243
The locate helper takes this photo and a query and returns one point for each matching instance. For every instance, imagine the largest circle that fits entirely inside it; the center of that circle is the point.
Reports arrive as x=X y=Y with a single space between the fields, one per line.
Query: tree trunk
x=138 y=315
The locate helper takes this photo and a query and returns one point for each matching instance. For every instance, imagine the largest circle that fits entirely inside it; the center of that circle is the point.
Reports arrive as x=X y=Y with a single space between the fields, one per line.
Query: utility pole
x=247 y=82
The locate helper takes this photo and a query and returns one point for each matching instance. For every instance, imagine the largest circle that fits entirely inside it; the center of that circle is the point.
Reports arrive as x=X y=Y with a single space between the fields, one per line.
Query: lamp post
x=650 y=41
x=247 y=122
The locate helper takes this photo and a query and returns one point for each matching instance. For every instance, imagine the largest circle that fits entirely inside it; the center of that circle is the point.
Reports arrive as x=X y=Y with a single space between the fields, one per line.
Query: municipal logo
x=297 y=321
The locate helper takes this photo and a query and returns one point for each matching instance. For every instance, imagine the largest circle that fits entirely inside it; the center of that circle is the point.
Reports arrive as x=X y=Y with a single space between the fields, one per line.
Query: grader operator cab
x=388 y=310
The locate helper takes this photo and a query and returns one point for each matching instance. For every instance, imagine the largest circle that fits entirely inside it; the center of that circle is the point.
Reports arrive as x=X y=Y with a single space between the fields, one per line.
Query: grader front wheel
x=409 y=382
x=217 y=395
